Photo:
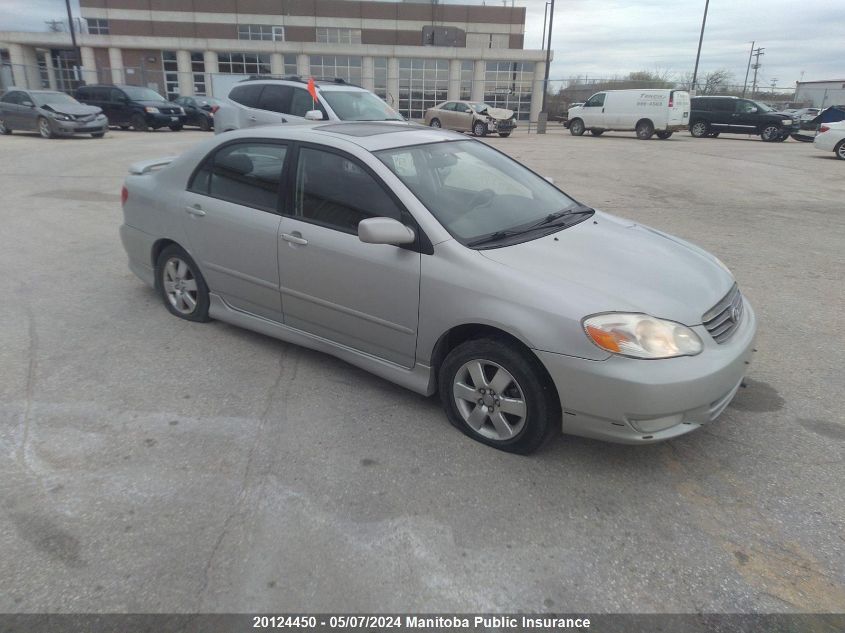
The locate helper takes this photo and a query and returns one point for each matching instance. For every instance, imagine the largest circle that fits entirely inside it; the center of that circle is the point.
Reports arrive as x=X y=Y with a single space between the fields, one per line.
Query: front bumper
x=164 y=120
x=501 y=126
x=68 y=128
x=624 y=400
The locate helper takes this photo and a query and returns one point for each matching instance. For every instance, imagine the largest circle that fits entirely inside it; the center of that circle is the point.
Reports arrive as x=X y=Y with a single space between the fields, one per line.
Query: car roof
x=370 y=135
x=322 y=84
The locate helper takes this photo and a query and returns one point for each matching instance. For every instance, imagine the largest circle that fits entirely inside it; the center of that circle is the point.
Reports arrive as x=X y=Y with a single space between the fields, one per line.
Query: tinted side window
x=448 y=106
x=461 y=107
x=745 y=107
x=13 y=97
x=246 y=95
x=337 y=192
x=301 y=103
x=722 y=105
x=244 y=173
x=114 y=95
x=275 y=98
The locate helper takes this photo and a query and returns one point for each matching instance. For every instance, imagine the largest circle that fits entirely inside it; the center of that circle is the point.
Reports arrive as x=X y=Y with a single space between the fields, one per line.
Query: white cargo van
x=647 y=112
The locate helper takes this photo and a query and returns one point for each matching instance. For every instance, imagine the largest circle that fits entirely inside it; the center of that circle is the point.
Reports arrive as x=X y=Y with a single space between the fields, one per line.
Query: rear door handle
x=294 y=239
x=195 y=210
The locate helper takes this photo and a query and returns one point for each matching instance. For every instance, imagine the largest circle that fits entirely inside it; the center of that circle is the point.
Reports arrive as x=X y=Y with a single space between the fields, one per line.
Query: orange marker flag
x=312 y=89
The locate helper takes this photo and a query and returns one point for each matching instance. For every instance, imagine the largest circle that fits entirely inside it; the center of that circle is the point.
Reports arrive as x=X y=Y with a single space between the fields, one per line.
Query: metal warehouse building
x=411 y=54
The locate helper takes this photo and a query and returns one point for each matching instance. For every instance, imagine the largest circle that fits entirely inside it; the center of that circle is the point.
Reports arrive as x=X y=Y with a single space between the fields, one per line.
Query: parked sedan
x=49 y=113
x=831 y=138
x=443 y=265
x=199 y=111
x=471 y=116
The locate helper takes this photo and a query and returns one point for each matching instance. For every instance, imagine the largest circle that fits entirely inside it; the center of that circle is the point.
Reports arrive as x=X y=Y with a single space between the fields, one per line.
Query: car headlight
x=641 y=336
x=151 y=110
x=181 y=110
x=62 y=117
x=787 y=121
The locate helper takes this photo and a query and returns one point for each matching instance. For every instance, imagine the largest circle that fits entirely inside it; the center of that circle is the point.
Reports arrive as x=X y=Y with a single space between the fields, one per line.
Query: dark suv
x=141 y=108
x=711 y=116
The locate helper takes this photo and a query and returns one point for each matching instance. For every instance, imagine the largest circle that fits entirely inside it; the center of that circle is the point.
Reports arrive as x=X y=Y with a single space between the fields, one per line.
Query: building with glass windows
x=412 y=54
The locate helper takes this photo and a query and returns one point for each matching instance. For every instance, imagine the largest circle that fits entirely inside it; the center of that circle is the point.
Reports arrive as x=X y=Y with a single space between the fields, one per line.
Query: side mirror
x=384 y=231
x=752 y=110
x=313 y=115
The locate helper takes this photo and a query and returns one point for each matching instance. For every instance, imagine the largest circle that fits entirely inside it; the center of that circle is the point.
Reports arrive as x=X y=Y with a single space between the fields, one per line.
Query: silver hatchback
x=443 y=265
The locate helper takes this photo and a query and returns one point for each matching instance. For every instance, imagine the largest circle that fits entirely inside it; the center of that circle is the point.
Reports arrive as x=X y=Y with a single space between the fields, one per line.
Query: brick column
x=368 y=73
x=537 y=92
x=89 y=65
x=393 y=82
x=454 y=80
x=277 y=64
x=303 y=66
x=116 y=63
x=478 y=77
x=186 y=76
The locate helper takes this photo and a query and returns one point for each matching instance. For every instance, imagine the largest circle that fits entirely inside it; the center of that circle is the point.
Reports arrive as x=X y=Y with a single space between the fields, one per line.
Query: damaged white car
x=471 y=116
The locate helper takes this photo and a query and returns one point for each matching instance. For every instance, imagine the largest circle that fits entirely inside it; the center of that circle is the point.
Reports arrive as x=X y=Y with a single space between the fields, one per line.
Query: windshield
x=480 y=107
x=475 y=191
x=43 y=98
x=762 y=107
x=357 y=105
x=142 y=94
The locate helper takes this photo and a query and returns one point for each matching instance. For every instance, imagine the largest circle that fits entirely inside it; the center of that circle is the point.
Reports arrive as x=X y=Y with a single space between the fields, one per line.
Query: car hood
x=620 y=266
x=498 y=113
x=76 y=109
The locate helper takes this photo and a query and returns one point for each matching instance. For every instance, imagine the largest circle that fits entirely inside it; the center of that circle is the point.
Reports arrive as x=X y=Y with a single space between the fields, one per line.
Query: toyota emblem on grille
x=735 y=314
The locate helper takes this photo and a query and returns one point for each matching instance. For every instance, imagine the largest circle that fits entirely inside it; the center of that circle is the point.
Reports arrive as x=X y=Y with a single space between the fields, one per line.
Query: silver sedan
x=441 y=264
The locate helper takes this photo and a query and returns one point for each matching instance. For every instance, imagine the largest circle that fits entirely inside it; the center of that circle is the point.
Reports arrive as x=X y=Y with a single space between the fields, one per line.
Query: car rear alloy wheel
x=3 y=128
x=181 y=285
x=645 y=130
x=576 y=127
x=44 y=128
x=435 y=123
x=839 y=150
x=480 y=128
x=770 y=133
x=205 y=124
x=699 y=129
x=497 y=394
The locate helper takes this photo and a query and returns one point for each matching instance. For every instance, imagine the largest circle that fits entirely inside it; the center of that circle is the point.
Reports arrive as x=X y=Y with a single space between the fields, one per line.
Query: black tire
x=98 y=135
x=664 y=134
x=199 y=312
x=44 y=129
x=782 y=138
x=596 y=132
x=176 y=127
x=839 y=150
x=504 y=134
x=435 y=123
x=4 y=129
x=123 y=127
x=645 y=130
x=699 y=129
x=576 y=127
x=139 y=123
x=205 y=124
x=479 y=128
x=770 y=133
x=530 y=381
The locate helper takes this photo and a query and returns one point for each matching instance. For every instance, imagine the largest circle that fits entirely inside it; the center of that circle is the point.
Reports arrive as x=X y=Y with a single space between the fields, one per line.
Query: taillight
x=124 y=194
x=671 y=101
x=823 y=129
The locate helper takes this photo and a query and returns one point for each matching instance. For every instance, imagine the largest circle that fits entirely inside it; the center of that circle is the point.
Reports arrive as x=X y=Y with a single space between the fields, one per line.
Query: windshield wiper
x=494 y=237
x=551 y=220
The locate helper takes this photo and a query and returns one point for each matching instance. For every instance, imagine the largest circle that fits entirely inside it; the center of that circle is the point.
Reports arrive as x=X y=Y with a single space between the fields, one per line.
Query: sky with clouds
x=604 y=38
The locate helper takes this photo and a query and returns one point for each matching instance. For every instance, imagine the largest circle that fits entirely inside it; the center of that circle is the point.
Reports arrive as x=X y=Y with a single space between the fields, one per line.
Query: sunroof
x=365 y=128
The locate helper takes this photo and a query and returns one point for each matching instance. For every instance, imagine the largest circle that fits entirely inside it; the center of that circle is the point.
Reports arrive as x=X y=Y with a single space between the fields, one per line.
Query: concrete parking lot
x=148 y=464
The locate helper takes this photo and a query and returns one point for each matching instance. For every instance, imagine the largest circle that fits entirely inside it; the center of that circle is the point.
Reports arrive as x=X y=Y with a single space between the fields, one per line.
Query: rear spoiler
x=146 y=166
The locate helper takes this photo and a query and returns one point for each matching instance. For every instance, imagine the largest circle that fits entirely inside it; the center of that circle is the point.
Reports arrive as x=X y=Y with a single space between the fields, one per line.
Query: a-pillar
x=368 y=73
x=478 y=77
x=89 y=65
x=186 y=76
x=537 y=92
x=116 y=64
x=393 y=82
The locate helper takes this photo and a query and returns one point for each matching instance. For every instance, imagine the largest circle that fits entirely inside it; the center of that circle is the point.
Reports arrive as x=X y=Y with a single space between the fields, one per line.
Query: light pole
x=549 y=52
x=700 y=40
x=545 y=19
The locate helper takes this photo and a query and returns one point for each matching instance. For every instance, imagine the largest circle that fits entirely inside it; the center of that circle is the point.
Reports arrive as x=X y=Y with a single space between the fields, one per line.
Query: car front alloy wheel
x=770 y=133
x=699 y=129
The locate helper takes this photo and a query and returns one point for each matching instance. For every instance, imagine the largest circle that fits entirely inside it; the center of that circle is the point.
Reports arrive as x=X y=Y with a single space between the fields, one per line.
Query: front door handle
x=195 y=210
x=252 y=118
x=294 y=239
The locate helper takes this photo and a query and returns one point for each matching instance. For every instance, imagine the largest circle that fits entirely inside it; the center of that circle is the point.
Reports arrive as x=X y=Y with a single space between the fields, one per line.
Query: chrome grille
x=86 y=118
x=723 y=318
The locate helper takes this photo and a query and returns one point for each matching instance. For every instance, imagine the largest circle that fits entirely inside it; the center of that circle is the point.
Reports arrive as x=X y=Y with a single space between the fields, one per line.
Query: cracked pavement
x=153 y=465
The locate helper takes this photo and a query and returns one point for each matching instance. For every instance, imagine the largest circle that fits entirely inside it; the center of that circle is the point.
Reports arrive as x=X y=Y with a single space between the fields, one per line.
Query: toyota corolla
x=443 y=265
